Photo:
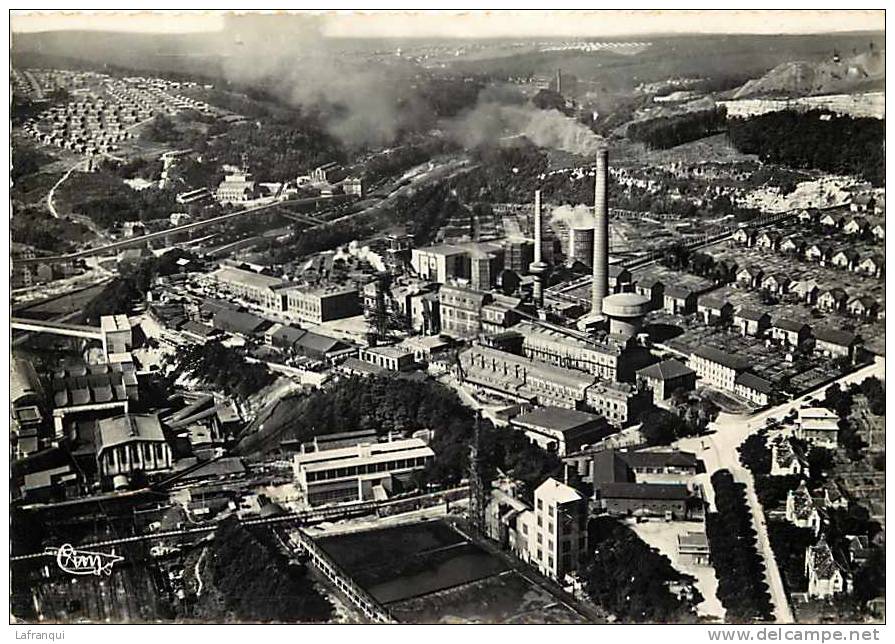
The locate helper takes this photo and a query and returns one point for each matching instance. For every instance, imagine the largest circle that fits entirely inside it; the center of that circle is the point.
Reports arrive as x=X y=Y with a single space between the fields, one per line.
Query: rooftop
x=666 y=370
x=720 y=357
x=646 y=491
x=248 y=279
x=127 y=428
x=556 y=418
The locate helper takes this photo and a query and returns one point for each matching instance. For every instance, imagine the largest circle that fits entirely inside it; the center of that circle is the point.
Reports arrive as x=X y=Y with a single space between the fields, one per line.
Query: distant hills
x=861 y=72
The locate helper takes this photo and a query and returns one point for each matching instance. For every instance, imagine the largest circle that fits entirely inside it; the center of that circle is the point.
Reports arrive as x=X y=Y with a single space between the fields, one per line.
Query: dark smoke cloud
x=289 y=56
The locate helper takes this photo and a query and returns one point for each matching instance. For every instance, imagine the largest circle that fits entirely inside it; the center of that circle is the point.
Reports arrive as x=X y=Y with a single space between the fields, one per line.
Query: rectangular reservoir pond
x=402 y=562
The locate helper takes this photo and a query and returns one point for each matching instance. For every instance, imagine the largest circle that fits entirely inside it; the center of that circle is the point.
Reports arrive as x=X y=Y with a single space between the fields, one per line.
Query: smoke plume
x=580 y=216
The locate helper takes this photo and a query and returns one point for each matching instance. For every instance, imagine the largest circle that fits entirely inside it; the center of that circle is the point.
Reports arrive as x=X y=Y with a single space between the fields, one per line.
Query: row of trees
x=732 y=543
x=630 y=579
x=669 y=131
x=816 y=139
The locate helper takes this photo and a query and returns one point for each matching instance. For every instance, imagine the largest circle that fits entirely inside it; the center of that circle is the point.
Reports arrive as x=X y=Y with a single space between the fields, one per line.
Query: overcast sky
x=478 y=24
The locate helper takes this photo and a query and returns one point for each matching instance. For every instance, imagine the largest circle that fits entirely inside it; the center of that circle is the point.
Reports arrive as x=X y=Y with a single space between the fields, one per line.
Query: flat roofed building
x=131 y=443
x=460 y=310
x=560 y=430
x=818 y=426
x=249 y=287
x=693 y=548
x=440 y=263
x=351 y=473
x=317 y=305
x=117 y=334
x=393 y=358
x=620 y=403
x=557 y=535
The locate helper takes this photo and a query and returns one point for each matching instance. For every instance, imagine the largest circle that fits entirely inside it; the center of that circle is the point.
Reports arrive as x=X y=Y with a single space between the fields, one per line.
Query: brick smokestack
x=600 y=288
x=537 y=268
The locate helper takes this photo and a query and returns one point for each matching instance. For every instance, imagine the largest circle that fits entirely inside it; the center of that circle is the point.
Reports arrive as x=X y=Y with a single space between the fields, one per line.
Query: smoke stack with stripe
x=600 y=288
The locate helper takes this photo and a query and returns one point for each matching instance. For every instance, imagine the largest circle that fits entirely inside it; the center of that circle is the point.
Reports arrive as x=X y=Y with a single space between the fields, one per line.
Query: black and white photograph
x=482 y=317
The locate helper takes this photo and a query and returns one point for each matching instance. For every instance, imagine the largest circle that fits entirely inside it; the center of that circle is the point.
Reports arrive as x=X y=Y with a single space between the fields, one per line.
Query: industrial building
x=131 y=443
x=319 y=304
x=561 y=431
x=361 y=472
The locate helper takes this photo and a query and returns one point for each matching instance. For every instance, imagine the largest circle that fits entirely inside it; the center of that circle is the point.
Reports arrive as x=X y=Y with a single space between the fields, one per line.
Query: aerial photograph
x=435 y=318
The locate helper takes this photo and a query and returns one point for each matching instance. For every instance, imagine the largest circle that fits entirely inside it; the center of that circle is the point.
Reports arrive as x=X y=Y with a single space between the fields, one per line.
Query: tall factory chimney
x=600 y=288
x=559 y=81
x=537 y=268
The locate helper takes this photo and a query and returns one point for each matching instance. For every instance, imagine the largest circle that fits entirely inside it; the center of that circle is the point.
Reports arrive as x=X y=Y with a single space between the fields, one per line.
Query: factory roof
x=558 y=375
x=248 y=279
x=23 y=380
x=645 y=491
x=666 y=458
x=556 y=418
x=127 y=428
x=720 y=357
x=114 y=323
x=361 y=453
x=666 y=370
x=239 y=322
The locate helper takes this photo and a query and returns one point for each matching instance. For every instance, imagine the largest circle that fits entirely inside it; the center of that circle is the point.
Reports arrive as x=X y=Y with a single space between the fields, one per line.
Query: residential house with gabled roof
x=665 y=377
x=879 y=232
x=806 y=290
x=835 y=342
x=654 y=289
x=818 y=253
x=806 y=216
x=830 y=220
x=754 y=388
x=833 y=496
x=750 y=276
x=745 y=236
x=864 y=307
x=619 y=278
x=801 y=510
x=873 y=265
x=790 y=332
x=786 y=458
x=792 y=244
x=855 y=226
x=679 y=300
x=776 y=283
x=713 y=307
x=833 y=299
x=768 y=239
x=862 y=203
x=751 y=321
x=826 y=578
x=818 y=426
x=846 y=259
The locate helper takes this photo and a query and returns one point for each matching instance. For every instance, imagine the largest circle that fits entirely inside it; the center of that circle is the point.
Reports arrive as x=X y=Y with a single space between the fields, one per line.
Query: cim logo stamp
x=83 y=562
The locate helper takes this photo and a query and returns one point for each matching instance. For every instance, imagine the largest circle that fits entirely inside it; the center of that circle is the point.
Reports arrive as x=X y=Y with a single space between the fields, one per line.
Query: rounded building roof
x=626 y=305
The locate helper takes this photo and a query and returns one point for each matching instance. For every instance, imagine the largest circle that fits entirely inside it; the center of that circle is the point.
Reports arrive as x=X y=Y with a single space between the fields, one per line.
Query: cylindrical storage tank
x=625 y=312
x=581 y=245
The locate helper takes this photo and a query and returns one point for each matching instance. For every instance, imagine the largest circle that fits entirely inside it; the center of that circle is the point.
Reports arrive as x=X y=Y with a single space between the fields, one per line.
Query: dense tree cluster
x=630 y=579
x=732 y=544
x=789 y=544
x=669 y=131
x=130 y=287
x=257 y=583
x=107 y=200
x=662 y=427
x=393 y=404
x=815 y=139
x=26 y=159
x=225 y=368
x=34 y=226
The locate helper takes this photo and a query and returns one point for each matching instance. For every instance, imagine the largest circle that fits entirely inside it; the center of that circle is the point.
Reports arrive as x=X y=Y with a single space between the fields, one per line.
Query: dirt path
x=52 y=192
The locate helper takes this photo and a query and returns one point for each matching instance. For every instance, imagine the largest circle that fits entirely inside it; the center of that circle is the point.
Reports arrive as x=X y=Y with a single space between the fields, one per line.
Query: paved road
x=720 y=452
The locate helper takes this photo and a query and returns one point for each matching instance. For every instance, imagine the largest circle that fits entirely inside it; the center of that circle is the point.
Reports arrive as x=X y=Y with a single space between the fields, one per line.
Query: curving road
x=63 y=179
x=719 y=451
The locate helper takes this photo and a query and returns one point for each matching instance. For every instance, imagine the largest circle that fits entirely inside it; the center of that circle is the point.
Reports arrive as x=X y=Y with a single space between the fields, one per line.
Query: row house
x=777 y=283
x=790 y=332
x=752 y=321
